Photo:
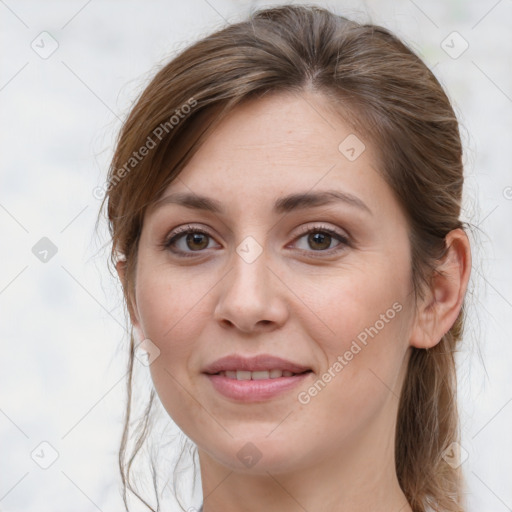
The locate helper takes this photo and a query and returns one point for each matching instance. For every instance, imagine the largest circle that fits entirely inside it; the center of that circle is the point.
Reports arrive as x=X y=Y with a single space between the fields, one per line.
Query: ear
x=438 y=311
x=131 y=305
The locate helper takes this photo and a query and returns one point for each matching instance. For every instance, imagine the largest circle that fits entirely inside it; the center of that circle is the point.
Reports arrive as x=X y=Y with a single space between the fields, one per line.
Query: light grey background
x=62 y=335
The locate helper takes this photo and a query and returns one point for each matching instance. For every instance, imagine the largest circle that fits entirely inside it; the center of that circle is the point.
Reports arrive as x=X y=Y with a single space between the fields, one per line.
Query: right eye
x=186 y=240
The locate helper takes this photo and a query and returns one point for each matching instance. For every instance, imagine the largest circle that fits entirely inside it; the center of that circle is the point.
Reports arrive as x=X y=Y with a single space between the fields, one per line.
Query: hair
x=384 y=90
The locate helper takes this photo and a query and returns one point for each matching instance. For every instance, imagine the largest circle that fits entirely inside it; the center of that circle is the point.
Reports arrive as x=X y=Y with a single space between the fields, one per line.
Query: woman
x=284 y=206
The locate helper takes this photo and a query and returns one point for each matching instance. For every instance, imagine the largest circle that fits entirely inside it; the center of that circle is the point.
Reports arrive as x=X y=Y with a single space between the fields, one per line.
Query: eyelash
x=184 y=230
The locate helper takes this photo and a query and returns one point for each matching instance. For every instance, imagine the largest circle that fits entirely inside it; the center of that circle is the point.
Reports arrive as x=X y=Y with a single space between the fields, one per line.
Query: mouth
x=258 y=375
x=259 y=367
x=255 y=379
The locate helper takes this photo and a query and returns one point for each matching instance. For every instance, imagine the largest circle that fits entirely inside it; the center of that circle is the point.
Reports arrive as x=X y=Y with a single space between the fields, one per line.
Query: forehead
x=282 y=144
x=284 y=128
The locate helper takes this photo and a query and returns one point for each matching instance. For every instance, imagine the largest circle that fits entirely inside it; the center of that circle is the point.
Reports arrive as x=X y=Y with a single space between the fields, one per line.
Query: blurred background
x=69 y=71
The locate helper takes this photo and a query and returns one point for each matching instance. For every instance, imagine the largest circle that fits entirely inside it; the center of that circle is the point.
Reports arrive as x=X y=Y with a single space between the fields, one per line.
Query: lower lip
x=255 y=390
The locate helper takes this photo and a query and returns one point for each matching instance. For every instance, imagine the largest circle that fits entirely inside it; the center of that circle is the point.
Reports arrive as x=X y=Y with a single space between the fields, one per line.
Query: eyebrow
x=284 y=204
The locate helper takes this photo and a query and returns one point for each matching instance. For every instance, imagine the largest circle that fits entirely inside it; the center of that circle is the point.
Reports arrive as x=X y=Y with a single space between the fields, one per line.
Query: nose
x=251 y=297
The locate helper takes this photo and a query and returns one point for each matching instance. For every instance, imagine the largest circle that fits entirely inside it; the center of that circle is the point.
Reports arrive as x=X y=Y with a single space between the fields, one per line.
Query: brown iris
x=200 y=239
x=319 y=240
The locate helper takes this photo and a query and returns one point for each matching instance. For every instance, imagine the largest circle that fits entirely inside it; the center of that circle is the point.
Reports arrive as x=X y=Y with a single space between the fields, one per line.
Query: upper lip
x=253 y=364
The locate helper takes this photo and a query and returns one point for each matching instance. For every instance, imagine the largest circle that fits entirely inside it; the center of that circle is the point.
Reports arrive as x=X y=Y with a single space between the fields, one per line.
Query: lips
x=259 y=363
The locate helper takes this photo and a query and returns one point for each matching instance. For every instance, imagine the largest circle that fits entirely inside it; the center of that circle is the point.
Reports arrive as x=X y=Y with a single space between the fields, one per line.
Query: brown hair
x=388 y=94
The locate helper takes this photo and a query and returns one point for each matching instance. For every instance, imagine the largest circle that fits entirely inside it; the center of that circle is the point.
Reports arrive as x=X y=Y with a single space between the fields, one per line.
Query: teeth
x=263 y=374
x=259 y=375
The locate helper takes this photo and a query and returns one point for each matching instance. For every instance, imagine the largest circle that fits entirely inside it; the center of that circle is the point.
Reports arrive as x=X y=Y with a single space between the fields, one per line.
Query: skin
x=296 y=301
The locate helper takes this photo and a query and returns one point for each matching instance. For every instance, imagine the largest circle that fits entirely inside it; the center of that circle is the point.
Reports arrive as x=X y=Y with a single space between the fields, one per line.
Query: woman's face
x=307 y=259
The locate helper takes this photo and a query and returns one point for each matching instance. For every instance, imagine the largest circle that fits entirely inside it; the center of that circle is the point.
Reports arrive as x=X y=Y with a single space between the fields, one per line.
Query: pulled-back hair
x=385 y=91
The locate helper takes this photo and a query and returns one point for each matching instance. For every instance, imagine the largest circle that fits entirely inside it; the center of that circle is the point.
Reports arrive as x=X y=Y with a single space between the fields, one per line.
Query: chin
x=260 y=456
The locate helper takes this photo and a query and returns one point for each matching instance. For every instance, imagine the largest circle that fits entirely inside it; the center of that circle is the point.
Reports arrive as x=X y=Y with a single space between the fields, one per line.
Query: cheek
x=358 y=300
x=172 y=313
x=363 y=357
x=171 y=309
x=366 y=310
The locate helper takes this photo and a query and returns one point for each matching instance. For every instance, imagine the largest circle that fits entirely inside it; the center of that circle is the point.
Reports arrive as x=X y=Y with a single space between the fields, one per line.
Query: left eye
x=320 y=239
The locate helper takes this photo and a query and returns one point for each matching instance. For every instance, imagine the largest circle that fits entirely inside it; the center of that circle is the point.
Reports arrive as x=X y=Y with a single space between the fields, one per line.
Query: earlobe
x=132 y=309
x=441 y=306
x=121 y=270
